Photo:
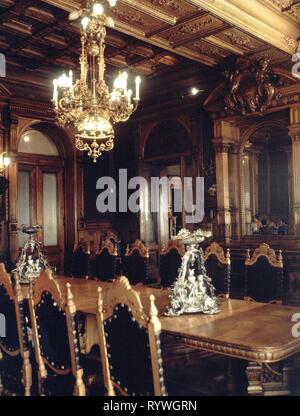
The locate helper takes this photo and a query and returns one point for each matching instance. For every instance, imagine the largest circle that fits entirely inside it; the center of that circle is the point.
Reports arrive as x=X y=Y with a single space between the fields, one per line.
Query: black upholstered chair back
x=170 y=262
x=55 y=330
x=130 y=343
x=264 y=275
x=14 y=342
x=218 y=266
x=10 y=342
x=106 y=262
x=80 y=261
x=53 y=333
x=136 y=262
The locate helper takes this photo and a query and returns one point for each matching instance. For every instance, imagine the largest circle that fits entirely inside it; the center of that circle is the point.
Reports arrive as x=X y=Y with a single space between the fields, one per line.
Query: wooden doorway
x=41 y=193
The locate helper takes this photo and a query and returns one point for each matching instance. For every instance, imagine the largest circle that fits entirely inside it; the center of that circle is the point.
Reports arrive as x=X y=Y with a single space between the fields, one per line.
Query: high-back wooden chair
x=15 y=366
x=136 y=263
x=264 y=275
x=170 y=262
x=113 y=238
x=218 y=266
x=129 y=343
x=106 y=261
x=80 y=260
x=56 y=338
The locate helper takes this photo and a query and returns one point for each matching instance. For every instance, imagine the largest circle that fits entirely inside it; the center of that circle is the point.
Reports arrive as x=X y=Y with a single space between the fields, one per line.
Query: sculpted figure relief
x=251 y=86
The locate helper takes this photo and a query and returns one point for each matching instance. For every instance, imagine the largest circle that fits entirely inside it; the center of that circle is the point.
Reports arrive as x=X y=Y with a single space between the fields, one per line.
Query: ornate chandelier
x=88 y=105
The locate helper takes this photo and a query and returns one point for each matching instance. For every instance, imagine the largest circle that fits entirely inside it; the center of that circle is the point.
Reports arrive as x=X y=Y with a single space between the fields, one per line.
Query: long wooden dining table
x=257 y=332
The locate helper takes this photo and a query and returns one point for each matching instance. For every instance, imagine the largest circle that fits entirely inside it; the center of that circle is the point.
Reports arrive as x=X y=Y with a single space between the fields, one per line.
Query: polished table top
x=249 y=330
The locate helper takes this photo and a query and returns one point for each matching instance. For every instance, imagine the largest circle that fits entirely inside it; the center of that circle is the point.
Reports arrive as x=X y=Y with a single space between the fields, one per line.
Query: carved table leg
x=275 y=379
x=254 y=374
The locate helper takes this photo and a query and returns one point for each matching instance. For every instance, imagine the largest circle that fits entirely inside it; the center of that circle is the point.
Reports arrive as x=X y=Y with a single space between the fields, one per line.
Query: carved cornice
x=43 y=112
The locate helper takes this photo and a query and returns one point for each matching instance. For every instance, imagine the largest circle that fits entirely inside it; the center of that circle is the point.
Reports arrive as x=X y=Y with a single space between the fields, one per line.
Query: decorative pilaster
x=234 y=174
x=13 y=191
x=253 y=165
x=225 y=137
x=222 y=176
x=289 y=154
x=294 y=131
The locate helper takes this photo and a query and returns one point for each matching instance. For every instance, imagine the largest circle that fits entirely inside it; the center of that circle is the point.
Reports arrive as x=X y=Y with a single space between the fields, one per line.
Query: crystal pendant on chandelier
x=87 y=105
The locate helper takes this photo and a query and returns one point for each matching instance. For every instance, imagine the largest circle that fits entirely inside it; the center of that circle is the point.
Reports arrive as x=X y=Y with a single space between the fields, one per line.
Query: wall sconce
x=4 y=162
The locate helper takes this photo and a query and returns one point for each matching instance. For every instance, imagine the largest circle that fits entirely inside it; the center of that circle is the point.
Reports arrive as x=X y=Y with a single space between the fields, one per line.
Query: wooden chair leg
x=1 y=387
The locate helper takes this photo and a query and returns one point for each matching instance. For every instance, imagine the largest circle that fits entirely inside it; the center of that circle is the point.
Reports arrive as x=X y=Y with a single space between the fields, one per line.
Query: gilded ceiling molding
x=254 y=18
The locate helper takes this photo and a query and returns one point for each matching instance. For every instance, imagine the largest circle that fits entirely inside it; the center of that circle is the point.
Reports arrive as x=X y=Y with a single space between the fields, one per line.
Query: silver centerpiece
x=192 y=291
x=32 y=261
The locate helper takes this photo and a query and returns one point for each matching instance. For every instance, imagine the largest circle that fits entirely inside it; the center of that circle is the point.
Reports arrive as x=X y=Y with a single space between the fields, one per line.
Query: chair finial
x=70 y=297
x=18 y=289
x=228 y=255
x=153 y=312
x=127 y=250
x=100 y=300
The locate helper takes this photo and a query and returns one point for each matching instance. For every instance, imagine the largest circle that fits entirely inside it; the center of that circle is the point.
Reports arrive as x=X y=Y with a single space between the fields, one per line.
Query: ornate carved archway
x=232 y=130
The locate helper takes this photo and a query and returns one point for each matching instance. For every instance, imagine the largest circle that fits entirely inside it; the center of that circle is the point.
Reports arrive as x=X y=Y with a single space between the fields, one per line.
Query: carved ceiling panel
x=150 y=36
x=198 y=27
x=286 y=7
x=239 y=40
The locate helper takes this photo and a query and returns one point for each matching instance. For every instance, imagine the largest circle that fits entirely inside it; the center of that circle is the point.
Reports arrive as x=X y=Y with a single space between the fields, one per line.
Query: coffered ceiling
x=151 y=36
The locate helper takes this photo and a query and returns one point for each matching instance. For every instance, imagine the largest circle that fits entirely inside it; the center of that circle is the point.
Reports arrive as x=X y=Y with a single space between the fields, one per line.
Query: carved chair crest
x=138 y=246
x=216 y=250
x=264 y=250
x=172 y=245
x=109 y=246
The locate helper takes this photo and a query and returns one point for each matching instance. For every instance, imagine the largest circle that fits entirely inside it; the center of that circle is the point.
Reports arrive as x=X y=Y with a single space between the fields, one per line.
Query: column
x=13 y=192
x=253 y=162
x=222 y=174
x=226 y=136
x=234 y=191
x=288 y=151
x=294 y=131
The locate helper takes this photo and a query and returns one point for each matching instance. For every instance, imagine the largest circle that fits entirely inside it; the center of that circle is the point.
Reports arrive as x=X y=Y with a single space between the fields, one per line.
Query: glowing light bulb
x=98 y=9
x=195 y=91
x=6 y=161
x=64 y=81
x=26 y=139
x=85 y=22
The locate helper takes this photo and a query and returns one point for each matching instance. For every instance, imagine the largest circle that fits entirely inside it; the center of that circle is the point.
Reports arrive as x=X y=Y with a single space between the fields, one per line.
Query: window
x=37 y=143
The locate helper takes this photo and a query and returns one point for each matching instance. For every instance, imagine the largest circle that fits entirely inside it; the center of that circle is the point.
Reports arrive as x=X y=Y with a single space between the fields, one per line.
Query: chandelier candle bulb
x=71 y=79
x=55 y=92
x=137 y=83
x=85 y=22
x=125 y=80
x=129 y=95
